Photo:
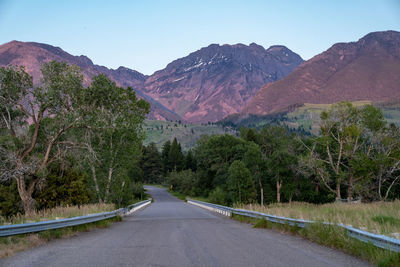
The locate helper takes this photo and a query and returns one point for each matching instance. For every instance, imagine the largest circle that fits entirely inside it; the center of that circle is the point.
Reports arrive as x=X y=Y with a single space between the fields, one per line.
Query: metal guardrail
x=16 y=229
x=377 y=240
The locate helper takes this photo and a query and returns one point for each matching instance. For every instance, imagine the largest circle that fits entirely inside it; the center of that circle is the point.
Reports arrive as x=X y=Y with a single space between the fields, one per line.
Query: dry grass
x=379 y=217
x=11 y=245
x=58 y=213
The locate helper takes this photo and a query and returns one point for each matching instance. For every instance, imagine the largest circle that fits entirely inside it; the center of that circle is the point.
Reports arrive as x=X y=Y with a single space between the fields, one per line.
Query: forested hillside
x=356 y=156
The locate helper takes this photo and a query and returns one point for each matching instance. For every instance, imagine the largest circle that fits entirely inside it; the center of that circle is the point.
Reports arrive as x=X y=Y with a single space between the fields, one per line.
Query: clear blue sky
x=147 y=35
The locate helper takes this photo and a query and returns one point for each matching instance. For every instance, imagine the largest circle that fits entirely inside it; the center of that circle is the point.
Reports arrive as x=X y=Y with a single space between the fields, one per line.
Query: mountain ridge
x=32 y=55
x=367 y=69
x=217 y=80
x=222 y=78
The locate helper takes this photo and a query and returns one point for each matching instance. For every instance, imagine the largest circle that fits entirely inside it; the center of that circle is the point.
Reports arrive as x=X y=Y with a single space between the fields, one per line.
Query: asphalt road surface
x=171 y=232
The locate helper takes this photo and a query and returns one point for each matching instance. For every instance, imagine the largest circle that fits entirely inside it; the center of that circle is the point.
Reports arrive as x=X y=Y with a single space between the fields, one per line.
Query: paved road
x=171 y=232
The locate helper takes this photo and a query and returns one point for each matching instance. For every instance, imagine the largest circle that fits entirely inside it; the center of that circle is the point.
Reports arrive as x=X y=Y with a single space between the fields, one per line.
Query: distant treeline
x=357 y=155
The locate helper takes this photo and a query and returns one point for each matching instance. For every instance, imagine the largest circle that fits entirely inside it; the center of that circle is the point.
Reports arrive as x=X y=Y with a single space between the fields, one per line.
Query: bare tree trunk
x=261 y=192
x=110 y=172
x=338 y=196
x=96 y=185
x=278 y=190
x=380 y=183
x=350 y=189
x=26 y=195
x=390 y=187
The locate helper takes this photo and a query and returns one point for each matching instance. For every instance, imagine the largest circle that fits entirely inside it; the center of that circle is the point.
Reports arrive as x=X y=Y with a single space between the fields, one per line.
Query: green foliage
x=151 y=164
x=115 y=141
x=357 y=150
x=64 y=187
x=183 y=181
x=240 y=183
x=219 y=196
x=175 y=156
x=382 y=219
x=124 y=192
x=165 y=157
x=334 y=236
x=10 y=204
x=100 y=126
x=190 y=161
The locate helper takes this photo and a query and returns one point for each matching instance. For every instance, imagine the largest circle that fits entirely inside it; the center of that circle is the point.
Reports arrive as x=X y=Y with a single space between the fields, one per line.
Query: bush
x=218 y=196
x=64 y=187
x=10 y=203
x=183 y=181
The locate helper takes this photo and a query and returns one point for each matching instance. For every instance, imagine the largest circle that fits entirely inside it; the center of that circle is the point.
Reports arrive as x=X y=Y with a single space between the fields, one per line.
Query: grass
x=187 y=134
x=308 y=115
x=177 y=194
x=13 y=244
x=332 y=236
x=58 y=213
x=379 y=217
x=155 y=185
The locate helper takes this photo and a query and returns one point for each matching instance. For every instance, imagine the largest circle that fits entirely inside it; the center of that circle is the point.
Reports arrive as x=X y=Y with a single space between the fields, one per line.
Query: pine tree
x=175 y=156
x=165 y=157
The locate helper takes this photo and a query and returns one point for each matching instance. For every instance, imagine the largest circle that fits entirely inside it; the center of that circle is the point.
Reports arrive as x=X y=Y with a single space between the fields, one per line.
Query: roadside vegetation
x=334 y=237
x=377 y=217
x=65 y=150
x=63 y=144
x=57 y=213
x=67 y=147
x=355 y=159
x=13 y=244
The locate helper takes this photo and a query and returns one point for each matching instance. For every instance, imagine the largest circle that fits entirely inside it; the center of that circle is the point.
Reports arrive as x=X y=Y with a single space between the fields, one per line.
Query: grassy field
x=58 y=213
x=308 y=116
x=379 y=217
x=187 y=134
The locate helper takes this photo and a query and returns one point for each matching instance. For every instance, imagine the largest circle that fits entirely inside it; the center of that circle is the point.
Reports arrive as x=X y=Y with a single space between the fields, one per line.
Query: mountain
x=216 y=81
x=33 y=55
x=368 y=69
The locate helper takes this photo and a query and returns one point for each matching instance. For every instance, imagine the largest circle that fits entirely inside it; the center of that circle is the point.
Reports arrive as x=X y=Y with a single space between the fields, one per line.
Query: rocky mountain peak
x=217 y=80
x=364 y=70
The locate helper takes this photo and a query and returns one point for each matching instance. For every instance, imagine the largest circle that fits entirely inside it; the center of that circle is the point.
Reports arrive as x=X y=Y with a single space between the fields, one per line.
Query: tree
x=175 y=156
x=190 y=161
x=114 y=141
x=151 y=164
x=214 y=155
x=342 y=155
x=278 y=151
x=165 y=157
x=10 y=203
x=24 y=110
x=381 y=161
x=42 y=124
x=254 y=162
x=64 y=186
x=240 y=183
x=280 y=166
